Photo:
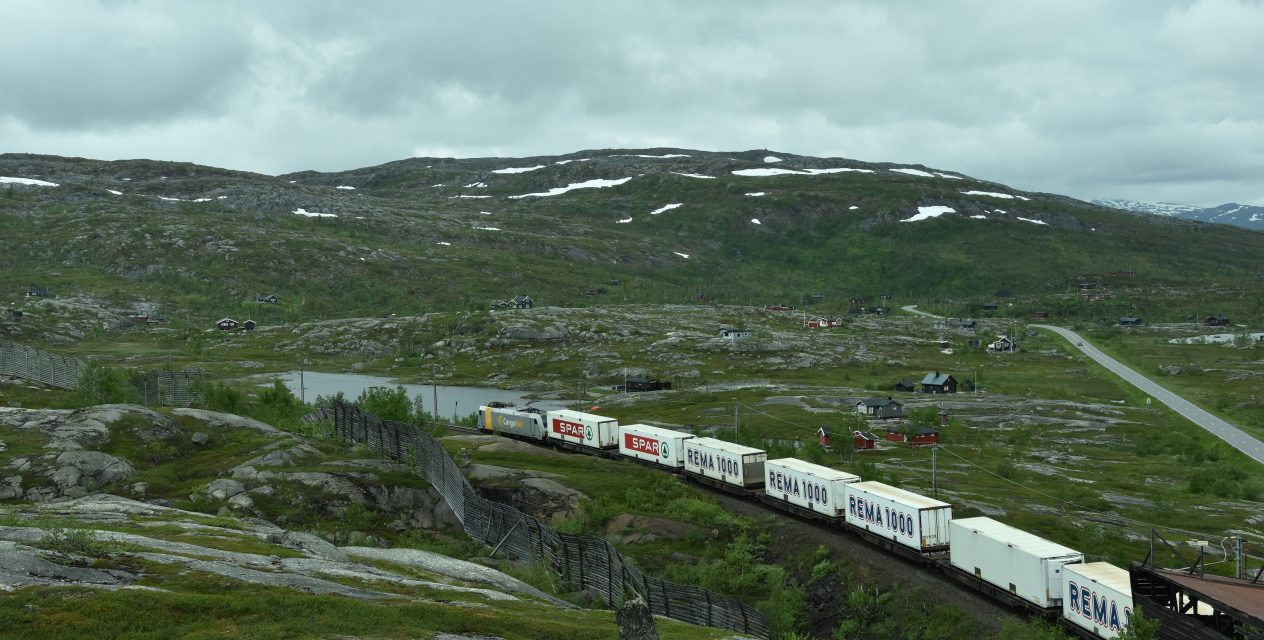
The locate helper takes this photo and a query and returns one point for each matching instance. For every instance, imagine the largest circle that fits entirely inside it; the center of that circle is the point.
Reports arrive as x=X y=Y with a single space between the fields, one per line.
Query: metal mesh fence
x=39 y=365
x=583 y=561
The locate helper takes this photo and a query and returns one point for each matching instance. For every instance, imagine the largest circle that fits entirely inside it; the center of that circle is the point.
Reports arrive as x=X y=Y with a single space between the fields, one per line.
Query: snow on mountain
x=1238 y=215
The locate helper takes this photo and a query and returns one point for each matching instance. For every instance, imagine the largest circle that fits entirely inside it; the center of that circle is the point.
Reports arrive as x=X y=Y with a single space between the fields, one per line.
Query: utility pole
x=302 y=387
x=434 y=389
x=934 y=470
x=737 y=423
x=1241 y=547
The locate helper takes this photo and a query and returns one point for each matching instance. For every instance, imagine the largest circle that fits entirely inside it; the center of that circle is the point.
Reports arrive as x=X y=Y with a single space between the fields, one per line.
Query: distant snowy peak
x=1238 y=215
x=1169 y=209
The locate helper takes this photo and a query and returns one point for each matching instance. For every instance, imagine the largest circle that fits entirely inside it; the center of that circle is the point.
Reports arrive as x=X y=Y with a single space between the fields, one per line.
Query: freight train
x=1017 y=568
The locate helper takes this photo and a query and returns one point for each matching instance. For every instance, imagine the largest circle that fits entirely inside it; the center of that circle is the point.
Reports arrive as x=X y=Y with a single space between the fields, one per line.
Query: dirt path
x=797 y=538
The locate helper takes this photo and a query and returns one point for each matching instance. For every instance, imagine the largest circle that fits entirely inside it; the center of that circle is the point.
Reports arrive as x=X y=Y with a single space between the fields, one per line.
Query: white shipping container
x=526 y=423
x=904 y=517
x=1026 y=565
x=653 y=444
x=807 y=485
x=724 y=461
x=588 y=429
x=1098 y=598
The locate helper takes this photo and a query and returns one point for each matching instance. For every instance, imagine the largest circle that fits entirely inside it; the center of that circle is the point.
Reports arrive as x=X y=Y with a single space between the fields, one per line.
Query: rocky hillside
x=193 y=244
x=198 y=518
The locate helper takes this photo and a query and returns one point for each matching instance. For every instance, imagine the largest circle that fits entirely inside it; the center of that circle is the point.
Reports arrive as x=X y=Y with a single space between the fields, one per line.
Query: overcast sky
x=1141 y=99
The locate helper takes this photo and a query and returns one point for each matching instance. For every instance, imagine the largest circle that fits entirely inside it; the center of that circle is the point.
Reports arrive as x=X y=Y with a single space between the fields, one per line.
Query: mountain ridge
x=417 y=234
x=1231 y=213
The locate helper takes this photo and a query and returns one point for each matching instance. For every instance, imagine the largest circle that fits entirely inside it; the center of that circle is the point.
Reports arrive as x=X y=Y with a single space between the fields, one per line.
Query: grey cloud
x=1092 y=99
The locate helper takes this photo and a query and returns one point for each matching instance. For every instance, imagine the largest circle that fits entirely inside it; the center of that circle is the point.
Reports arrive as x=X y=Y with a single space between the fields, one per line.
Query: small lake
x=458 y=401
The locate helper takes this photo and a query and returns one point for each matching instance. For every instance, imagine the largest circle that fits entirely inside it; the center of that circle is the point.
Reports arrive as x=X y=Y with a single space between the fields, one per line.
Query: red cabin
x=824 y=438
x=866 y=440
x=925 y=436
x=893 y=436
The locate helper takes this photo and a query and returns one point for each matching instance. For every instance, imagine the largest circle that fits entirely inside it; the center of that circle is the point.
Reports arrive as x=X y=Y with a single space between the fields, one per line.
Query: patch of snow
x=486 y=213
x=129 y=180
x=472 y=185
x=837 y=170
x=1006 y=196
x=915 y=172
x=766 y=171
x=343 y=186
x=170 y=199
x=291 y=181
x=570 y=161
x=27 y=181
x=201 y=199
x=755 y=221
x=624 y=221
x=694 y=175
x=950 y=177
x=756 y=194
x=475 y=197
x=773 y=171
x=772 y=159
x=925 y=213
x=598 y=183
x=221 y=197
x=852 y=208
x=519 y=169
x=1255 y=217
x=313 y=214
x=666 y=207
x=487 y=228
x=1000 y=211
x=1033 y=221
x=638 y=155
x=117 y=193
x=683 y=255
x=445 y=244
x=979 y=217
x=435 y=186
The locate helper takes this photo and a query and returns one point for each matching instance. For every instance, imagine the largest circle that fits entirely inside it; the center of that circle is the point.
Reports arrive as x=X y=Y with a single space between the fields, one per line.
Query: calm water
x=458 y=401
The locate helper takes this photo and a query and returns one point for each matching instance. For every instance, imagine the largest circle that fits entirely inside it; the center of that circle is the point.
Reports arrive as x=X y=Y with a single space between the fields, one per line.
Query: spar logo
x=1103 y=611
x=641 y=444
x=588 y=432
x=568 y=428
x=663 y=448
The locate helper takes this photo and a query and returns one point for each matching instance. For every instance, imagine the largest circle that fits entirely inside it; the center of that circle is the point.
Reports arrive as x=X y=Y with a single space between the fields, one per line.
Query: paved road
x=1234 y=436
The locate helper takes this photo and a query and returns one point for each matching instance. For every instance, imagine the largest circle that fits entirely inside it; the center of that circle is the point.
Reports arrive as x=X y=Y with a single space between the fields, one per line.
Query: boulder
x=223 y=489
x=91 y=470
x=200 y=438
x=635 y=621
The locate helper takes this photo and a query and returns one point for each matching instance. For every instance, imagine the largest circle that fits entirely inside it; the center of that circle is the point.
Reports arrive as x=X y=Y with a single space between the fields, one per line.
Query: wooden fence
x=583 y=561
x=170 y=388
x=39 y=365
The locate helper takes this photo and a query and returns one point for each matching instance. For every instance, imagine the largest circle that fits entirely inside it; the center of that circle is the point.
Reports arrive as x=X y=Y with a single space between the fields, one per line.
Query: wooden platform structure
x=1192 y=605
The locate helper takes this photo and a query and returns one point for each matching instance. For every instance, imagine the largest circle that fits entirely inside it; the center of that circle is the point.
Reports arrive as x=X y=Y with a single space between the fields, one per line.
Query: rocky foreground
x=165 y=511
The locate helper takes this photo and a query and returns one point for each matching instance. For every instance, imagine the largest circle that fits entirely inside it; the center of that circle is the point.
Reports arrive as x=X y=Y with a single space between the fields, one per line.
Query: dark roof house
x=1217 y=321
x=880 y=408
x=939 y=383
x=34 y=291
x=1129 y=321
x=905 y=385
